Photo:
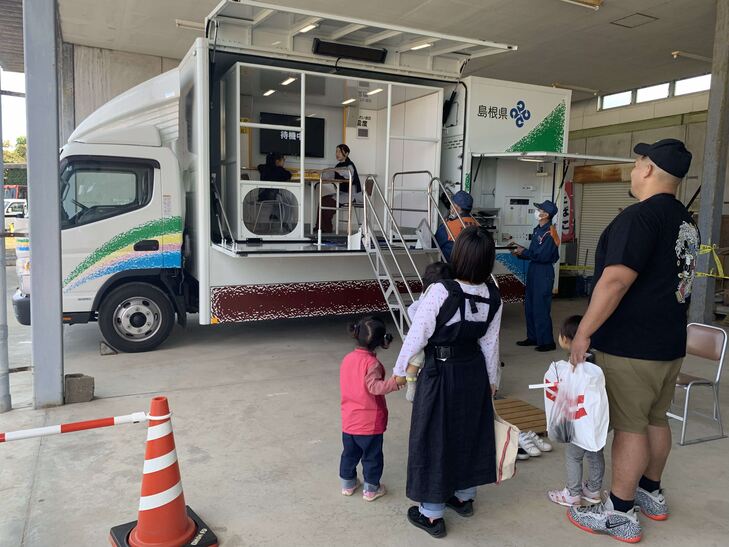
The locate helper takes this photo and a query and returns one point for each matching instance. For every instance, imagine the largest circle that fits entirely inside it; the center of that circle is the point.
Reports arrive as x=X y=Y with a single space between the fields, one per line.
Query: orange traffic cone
x=164 y=519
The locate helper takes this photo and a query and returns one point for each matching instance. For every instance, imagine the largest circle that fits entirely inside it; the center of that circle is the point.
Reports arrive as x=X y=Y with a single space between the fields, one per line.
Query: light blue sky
x=13 y=119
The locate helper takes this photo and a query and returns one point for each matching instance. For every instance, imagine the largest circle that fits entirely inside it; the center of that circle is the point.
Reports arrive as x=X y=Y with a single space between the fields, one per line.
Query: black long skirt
x=452 y=429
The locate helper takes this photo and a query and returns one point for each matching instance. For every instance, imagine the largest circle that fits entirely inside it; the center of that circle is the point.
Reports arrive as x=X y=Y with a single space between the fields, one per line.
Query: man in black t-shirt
x=636 y=325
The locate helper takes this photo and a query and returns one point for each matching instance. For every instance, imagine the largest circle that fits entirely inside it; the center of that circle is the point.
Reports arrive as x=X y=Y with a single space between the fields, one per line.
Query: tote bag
x=507 y=445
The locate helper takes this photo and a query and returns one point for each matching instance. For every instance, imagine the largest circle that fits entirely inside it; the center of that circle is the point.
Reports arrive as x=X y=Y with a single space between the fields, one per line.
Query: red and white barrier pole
x=133 y=418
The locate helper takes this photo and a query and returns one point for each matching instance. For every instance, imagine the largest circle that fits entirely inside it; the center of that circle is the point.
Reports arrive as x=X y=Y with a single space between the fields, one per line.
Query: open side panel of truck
x=195 y=167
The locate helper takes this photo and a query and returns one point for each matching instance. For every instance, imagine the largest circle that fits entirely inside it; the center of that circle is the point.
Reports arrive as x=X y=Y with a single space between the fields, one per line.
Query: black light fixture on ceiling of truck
x=347 y=51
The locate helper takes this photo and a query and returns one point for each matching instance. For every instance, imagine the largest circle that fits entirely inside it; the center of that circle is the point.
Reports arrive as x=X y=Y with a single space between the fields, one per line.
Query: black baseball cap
x=548 y=207
x=668 y=154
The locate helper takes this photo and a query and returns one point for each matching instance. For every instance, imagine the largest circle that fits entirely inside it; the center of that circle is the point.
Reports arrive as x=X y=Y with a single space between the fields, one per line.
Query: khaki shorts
x=639 y=391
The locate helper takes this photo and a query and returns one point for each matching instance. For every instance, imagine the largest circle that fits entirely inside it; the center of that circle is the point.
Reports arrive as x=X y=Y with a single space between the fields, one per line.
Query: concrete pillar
x=5 y=403
x=715 y=165
x=41 y=99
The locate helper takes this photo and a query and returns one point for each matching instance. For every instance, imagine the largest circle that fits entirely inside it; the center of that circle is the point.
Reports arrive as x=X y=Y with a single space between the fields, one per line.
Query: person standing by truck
x=542 y=253
x=448 y=232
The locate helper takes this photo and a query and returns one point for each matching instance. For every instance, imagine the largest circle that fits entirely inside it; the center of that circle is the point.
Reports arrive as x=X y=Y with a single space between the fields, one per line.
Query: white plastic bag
x=580 y=398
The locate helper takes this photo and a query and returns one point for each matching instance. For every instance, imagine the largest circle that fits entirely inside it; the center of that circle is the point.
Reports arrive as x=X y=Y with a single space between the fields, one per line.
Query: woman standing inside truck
x=329 y=202
x=452 y=447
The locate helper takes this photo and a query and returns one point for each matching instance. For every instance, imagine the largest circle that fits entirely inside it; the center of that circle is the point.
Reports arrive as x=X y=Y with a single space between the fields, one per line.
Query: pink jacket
x=363 y=385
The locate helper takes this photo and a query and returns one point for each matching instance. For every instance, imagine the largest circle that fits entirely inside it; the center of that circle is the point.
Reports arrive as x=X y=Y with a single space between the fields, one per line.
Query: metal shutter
x=601 y=203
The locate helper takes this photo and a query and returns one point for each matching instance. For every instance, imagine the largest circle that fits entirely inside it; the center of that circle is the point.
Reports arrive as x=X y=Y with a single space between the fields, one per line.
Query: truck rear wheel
x=136 y=317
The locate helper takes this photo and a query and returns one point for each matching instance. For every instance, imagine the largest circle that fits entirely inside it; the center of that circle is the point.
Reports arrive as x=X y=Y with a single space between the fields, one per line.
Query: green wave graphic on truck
x=548 y=136
x=118 y=245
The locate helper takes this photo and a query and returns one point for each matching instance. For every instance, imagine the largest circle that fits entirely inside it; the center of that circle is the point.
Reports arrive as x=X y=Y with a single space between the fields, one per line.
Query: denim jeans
x=436 y=510
x=368 y=450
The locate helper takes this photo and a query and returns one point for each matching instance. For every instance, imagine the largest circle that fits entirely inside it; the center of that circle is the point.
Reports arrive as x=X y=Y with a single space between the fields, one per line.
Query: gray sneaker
x=604 y=519
x=652 y=504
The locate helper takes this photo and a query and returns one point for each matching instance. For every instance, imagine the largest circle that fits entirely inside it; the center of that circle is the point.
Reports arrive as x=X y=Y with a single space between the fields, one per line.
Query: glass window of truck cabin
x=96 y=190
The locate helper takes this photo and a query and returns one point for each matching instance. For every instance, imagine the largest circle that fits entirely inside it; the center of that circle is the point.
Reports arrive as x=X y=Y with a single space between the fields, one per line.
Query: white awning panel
x=289 y=32
x=553 y=157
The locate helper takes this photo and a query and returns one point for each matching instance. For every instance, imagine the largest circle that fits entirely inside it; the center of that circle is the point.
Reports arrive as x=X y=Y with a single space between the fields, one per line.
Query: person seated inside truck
x=462 y=205
x=273 y=171
x=329 y=201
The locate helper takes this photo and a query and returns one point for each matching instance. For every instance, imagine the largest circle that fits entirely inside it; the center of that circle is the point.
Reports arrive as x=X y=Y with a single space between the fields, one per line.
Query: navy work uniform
x=542 y=253
x=462 y=205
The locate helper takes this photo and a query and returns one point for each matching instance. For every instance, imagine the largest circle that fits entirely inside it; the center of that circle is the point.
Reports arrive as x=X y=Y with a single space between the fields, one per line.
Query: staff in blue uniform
x=462 y=205
x=542 y=253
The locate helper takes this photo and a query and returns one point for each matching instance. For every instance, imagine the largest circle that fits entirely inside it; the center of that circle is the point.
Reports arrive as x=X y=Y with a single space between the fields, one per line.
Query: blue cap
x=464 y=200
x=548 y=207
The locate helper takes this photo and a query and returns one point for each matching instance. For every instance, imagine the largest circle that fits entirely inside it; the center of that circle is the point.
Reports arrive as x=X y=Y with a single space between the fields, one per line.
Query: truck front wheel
x=136 y=317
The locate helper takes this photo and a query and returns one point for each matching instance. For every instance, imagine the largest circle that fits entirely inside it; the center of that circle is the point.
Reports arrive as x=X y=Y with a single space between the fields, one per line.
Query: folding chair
x=709 y=343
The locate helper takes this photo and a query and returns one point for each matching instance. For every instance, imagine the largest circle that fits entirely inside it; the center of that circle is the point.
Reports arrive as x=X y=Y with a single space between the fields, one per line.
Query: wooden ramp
x=521 y=414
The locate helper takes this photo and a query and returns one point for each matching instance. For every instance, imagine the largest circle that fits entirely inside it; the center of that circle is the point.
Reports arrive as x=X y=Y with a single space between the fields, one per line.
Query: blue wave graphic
x=147 y=261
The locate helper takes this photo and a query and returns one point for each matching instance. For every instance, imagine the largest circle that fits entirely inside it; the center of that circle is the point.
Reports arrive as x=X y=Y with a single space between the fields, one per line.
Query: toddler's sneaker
x=563 y=497
x=352 y=490
x=602 y=518
x=528 y=445
x=540 y=443
x=652 y=504
x=590 y=496
x=372 y=496
x=521 y=454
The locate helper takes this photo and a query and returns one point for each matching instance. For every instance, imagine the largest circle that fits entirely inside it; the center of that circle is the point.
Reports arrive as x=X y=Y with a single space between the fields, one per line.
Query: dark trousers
x=368 y=450
x=327 y=215
x=538 y=303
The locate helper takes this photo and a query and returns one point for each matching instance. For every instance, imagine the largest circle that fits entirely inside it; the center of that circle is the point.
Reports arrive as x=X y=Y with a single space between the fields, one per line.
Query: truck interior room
x=391 y=124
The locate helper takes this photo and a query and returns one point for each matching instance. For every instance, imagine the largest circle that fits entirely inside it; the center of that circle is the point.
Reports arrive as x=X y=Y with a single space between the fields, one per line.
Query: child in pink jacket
x=364 y=411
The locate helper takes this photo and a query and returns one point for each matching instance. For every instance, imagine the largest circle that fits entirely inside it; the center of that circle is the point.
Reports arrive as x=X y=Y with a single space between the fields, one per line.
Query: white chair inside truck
x=709 y=343
x=272 y=206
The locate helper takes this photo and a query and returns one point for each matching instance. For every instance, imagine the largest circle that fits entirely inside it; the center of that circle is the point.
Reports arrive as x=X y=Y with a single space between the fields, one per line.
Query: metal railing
x=389 y=279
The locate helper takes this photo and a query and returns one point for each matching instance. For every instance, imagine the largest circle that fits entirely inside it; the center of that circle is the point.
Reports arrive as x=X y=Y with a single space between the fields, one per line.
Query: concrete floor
x=256 y=420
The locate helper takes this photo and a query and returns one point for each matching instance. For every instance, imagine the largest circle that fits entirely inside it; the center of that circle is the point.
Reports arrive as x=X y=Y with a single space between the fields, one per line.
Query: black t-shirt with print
x=658 y=239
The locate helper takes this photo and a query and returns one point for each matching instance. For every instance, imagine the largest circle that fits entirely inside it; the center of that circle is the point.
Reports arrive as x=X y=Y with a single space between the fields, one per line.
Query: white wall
x=102 y=74
x=620 y=142
x=585 y=115
x=365 y=152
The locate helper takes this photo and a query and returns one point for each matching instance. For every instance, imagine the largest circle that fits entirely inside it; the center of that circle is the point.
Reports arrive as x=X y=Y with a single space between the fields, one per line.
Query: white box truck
x=165 y=214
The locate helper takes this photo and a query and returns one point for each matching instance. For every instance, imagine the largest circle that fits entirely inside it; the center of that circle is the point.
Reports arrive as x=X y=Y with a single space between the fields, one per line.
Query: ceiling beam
x=487 y=51
x=380 y=36
x=305 y=23
x=447 y=49
x=348 y=29
x=419 y=42
x=262 y=16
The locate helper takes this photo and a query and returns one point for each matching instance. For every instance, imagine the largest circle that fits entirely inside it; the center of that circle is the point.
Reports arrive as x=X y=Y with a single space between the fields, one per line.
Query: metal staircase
x=391 y=254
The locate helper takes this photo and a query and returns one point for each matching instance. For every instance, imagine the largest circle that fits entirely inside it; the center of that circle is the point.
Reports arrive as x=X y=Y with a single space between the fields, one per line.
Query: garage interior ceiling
x=558 y=41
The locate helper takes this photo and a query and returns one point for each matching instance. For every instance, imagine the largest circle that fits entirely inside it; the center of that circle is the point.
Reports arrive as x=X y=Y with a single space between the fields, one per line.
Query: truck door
x=111 y=221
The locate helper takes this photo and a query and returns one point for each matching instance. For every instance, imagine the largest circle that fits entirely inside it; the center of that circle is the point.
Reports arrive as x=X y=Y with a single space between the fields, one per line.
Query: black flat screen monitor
x=287 y=142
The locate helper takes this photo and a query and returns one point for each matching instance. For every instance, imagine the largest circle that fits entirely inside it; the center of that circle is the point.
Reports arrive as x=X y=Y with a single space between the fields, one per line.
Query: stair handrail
x=368 y=203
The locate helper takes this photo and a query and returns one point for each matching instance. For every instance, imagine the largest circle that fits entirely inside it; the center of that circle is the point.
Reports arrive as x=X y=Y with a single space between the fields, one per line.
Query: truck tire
x=136 y=317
